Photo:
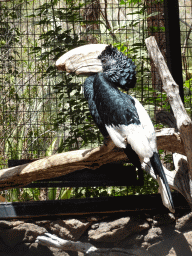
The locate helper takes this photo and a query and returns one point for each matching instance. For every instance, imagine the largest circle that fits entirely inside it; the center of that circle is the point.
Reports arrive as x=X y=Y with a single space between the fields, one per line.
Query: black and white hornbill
x=122 y=117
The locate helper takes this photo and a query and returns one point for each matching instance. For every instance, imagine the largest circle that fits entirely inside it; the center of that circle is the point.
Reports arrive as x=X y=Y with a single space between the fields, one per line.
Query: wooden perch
x=64 y=163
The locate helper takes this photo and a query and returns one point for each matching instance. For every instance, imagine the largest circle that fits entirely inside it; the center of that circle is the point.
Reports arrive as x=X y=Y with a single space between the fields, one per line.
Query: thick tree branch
x=177 y=179
x=67 y=245
x=181 y=178
x=184 y=123
x=64 y=163
x=169 y=140
x=86 y=248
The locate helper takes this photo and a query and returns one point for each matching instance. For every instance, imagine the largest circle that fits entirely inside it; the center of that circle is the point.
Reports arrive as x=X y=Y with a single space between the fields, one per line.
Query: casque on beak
x=82 y=60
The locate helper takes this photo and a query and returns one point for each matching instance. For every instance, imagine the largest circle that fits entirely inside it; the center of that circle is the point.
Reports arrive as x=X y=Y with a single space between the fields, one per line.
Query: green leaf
x=188 y=84
x=65 y=194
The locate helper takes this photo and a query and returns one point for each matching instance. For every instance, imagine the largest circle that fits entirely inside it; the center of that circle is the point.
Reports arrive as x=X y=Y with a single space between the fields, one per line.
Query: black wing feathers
x=114 y=107
x=88 y=93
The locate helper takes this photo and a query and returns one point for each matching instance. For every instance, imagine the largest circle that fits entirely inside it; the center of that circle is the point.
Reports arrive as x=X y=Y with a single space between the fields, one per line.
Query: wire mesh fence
x=185 y=27
x=43 y=111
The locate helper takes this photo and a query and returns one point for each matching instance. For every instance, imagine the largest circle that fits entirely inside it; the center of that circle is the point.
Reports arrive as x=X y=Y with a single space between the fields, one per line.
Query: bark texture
x=64 y=163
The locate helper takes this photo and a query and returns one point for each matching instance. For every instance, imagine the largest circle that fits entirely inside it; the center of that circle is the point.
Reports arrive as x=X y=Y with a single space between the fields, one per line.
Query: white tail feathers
x=164 y=195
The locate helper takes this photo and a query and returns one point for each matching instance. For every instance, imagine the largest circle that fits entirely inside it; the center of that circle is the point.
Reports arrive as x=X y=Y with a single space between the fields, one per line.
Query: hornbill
x=122 y=117
x=117 y=114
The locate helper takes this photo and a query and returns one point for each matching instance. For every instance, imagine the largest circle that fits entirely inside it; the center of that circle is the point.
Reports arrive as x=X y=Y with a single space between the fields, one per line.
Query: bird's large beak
x=82 y=60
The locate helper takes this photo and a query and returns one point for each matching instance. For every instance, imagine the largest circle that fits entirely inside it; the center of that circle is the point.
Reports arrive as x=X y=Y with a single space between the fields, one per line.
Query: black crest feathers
x=117 y=68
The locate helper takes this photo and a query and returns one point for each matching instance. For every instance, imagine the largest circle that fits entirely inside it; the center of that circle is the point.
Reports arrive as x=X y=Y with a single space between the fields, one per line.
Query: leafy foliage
x=73 y=116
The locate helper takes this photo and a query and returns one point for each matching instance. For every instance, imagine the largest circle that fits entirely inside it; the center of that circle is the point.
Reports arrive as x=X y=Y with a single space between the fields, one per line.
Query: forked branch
x=182 y=177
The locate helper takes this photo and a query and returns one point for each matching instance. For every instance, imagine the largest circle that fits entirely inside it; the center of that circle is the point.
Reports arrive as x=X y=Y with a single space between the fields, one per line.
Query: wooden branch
x=181 y=178
x=64 y=163
x=177 y=179
x=58 y=165
x=168 y=139
x=182 y=182
x=184 y=123
x=105 y=17
x=85 y=248
x=67 y=245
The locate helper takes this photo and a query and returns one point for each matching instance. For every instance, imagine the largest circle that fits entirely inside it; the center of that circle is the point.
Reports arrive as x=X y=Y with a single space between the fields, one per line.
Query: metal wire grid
x=185 y=8
x=30 y=104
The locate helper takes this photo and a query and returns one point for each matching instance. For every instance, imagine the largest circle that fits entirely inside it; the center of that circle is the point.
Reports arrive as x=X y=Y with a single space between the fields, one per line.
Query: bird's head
x=117 y=68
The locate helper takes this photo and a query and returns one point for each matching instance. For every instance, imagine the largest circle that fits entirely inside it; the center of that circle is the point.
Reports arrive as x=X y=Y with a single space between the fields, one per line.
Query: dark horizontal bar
x=140 y=203
x=112 y=174
x=125 y=176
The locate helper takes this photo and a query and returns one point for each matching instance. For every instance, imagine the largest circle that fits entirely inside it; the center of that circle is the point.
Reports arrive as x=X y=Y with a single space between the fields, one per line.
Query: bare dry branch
x=86 y=248
x=184 y=123
x=181 y=179
x=177 y=179
x=64 y=163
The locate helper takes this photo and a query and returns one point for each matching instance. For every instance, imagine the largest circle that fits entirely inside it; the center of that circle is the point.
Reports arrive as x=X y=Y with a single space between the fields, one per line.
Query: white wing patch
x=116 y=135
x=142 y=137
x=146 y=124
x=131 y=134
